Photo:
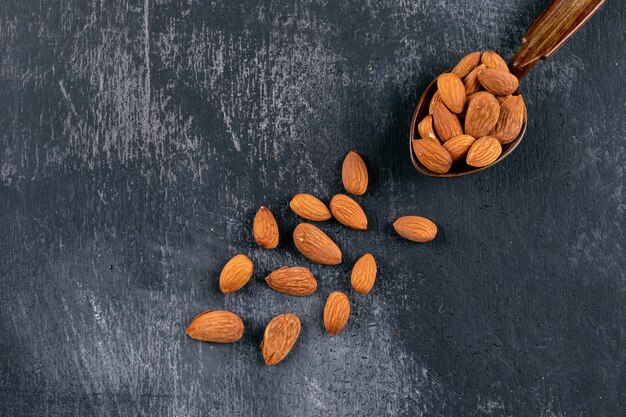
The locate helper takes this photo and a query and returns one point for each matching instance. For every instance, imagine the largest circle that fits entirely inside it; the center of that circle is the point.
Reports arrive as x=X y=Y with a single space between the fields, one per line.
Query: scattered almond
x=309 y=207
x=452 y=91
x=432 y=155
x=279 y=337
x=426 y=130
x=316 y=245
x=236 y=273
x=482 y=114
x=265 y=229
x=498 y=81
x=354 y=174
x=336 y=312
x=484 y=152
x=415 y=228
x=467 y=64
x=292 y=280
x=363 y=274
x=348 y=212
x=493 y=60
x=512 y=116
x=458 y=146
x=216 y=327
x=446 y=123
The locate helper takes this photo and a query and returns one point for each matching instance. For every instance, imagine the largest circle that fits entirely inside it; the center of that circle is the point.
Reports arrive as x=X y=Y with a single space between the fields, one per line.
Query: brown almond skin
x=354 y=174
x=493 y=60
x=265 y=229
x=236 y=273
x=433 y=101
x=292 y=280
x=426 y=129
x=482 y=114
x=309 y=207
x=458 y=146
x=467 y=64
x=484 y=152
x=498 y=82
x=348 y=212
x=336 y=312
x=415 y=228
x=432 y=155
x=316 y=245
x=364 y=274
x=471 y=82
x=216 y=326
x=446 y=123
x=512 y=117
x=279 y=337
x=452 y=91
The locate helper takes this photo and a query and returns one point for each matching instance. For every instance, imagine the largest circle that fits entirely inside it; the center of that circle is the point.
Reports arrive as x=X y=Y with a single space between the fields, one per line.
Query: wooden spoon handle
x=558 y=22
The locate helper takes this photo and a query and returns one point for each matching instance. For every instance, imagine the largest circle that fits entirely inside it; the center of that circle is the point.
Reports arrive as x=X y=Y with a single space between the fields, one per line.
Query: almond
x=316 y=245
x=436 y=99
x=279 y=337
x=309 y=207
x=432 y=155
x=415 y=228
x=471 y=82
x=265 y=229
x=426 y=130
x=363 y=274
x=216 y=326
x=512 y=115
x=292 y=280
x=348 y=212
x=493 y=60
x=458 y=146
x=484 y=152
x=236 y=273
x=336 y=312
x=497 y=81
x=354 y=174
x=452 y=91
x=482 y=114
x=467 y=64
x=446 y=123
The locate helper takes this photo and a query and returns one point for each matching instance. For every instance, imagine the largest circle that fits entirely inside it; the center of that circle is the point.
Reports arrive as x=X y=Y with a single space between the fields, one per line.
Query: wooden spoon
x=558 y=22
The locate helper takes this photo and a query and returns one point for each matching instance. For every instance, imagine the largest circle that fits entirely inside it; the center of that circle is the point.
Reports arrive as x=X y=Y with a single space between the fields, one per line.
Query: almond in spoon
x=452 y=91
x=458 y=146
x=432 y=155
x=426 y=130
x=446 y=123
x=467 y=64
x=512 y=115
x=482 y=114
x=493 y=60
x=497 y=81
x=471 y=82
x=484 y=152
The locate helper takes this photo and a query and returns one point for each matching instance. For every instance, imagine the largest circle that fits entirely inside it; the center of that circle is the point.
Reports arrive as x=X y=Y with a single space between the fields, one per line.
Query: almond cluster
x=283 y=330
x=475 y=110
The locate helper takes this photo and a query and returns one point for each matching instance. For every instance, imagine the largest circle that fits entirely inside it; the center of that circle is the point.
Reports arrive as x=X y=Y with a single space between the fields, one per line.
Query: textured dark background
x=137 y=139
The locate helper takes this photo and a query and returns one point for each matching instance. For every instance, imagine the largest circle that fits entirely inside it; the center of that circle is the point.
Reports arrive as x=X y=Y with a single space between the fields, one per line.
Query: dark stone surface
x=137 y=139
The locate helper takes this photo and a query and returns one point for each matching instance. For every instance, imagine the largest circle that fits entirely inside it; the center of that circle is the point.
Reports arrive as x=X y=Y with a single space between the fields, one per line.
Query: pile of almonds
x=283 y=330
x=474 y=111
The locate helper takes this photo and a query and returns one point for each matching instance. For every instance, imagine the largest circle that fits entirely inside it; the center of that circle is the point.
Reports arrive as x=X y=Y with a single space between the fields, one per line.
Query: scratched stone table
x=138 y=138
